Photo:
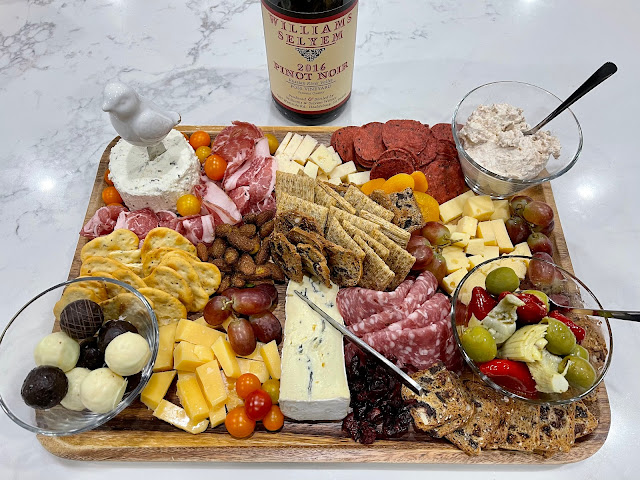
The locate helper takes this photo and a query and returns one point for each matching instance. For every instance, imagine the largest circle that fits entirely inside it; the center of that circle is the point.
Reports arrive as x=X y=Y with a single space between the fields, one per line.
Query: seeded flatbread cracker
x=585 y=421
x=557 y=428
x=457 y=421
x=287 y=202
x=399 y=260
x=314 y=263
x=361 y=202
x=379 y=248
x=341 y=203
x=72 y=293
x=375 y=273
x=186 y=271
x=297 y=235
x=165 y=237
x=168 y=280
x=345 y=265
x=121 y=239
x=126 y=256
x=125 y=306
x=285 y=221
x=521 y=429
x=153 y=258
x=301 y=186
x=395 y=233
x=338 y=235
x=323 y=198
x=167 y=308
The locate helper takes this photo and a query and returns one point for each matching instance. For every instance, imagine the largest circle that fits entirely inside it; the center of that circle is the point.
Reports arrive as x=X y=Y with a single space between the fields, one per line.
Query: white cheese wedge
x=334 y=181
x=323 y=157
x=311 y=169
x=313 y=384
x=283 y=144
x=288 y=166
x=337 y=158
x=291 y=147
x=341 y=171
x=359 y=178
x=304 y=149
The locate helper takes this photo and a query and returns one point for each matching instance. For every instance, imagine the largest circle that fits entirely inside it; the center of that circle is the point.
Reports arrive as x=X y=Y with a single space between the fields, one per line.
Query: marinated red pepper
x=577 y=330
x=481 y=303
x=533 y=309
x=511 y=375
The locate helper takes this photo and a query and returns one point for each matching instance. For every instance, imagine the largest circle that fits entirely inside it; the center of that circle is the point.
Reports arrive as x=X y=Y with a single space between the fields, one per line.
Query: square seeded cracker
x=375 y=273
x=399 y=260
x=338 y=235
x=301 y=186
x=379 y=248
x=341 y=203
x=361 y=202
x=395 y=233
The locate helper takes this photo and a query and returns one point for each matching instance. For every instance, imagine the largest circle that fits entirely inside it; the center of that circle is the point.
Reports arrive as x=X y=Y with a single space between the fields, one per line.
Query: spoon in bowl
x=600 y=75
x=619 y=314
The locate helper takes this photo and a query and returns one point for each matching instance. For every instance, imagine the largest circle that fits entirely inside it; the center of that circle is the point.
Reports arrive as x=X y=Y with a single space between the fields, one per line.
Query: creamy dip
x=493 y=138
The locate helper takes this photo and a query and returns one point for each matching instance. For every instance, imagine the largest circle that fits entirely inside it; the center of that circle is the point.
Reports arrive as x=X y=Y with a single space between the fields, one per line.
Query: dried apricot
x=372 y=185
x=428 y=206
x=420 y=181
x=398 y=183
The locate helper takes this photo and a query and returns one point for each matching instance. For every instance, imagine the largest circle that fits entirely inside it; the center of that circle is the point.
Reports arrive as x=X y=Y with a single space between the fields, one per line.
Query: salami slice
x=445 y=147
x=367 y=146
x=445 y=178
x=399 y=153
x=428 y=153
x=442 y=131
x=391 y=166
x=357 y=303
x=408 y=134
x=342 y=143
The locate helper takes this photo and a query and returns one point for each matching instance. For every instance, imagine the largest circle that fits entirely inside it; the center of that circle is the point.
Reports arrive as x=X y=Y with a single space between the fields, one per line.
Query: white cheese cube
x=475 y=246
x=292 y=146
x=283 y=144
x=341 y=171
x=468 y=225
x=452 y=209
x=502 y=237
x=500 y=210
x=324 y=159
x=311 y=169
x=452 y=227
x=288 y=166
x=321 y=175
x=337 y=158
x=450 y=282
x=359 y=178
x=334 y=181
x=485 y=231
x=480 y=207
x=304 y=150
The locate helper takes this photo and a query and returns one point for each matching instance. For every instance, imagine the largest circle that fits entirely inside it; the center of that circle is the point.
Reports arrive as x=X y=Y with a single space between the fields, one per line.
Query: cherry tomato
x=199 y=139
x=247 y=383
x=272 y=387
x=188 y=205
x=111 y=195
x=215 y=166
x=238 y=423
x=115 y=205
x=203 y=152
x=257 y=404
x=107 y=180
x=274 y=419
x=273 y=143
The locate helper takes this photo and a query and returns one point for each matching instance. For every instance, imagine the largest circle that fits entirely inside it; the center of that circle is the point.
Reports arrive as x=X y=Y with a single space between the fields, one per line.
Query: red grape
x=271 y=290
x=266 y=327
x=538 y=213
x=217 y=310
x=517 y=229
x=517 y=204
x=249 y=301
x=545 y=230
x=436 y=233
x=539 y=242
x=438 y=266
x=241 y=336
x=541 y=274
x=420 y=248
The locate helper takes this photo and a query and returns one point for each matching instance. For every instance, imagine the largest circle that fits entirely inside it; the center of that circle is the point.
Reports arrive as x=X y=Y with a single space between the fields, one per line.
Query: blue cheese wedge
x=313 y=385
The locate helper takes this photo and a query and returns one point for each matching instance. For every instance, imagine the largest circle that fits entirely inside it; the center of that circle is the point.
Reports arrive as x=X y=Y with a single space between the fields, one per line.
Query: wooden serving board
x=135 y=435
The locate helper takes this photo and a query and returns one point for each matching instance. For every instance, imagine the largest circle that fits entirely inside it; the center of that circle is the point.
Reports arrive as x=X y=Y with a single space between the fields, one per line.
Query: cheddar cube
x=156 y=388
x=456 y=262
x=233 y=400
x=178 y=417
x=468 y=225
x=475 y=246
x=452 y=209
x=187 y=356
x=271 y=358
x=502 y=237
x=500 y=210
x=258 y=368
x=226 y=323
x=475 y=260
x=522 y=249
x=516 y=264
x=209 y=378
x=485 y=231
x=217 y=415
x=283 y=144
x=450 y=282
x=166 y=342
x=192 y=399
x=460 y=239
x=480 y=207
x=227 y=358
x=203 y=322
x=192 y=332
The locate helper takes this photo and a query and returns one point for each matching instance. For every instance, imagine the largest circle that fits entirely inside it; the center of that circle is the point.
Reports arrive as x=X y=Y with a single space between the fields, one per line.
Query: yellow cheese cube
x=475 y=246
x=185 y=374
x=192 y=332
x=480 y=207
x=485 y=231
x=192 y=399
x=226 y=323
x=516 y=264
x=227 y=358
x=217 y=415
x=166 y=342
x=502 y=237
x=178 y=417
x=203 y=322
x=187 y=356
x=476 y=279
x=311 y=170
x=255 y=355
x=156 y=388
x=271 y=358
x=209 y=378
x=456 y=262
x=475 y=260
x=452 y=209
x=468 y=225
x=522 y=249
x=491 y=252
x=460 y=239
x=450 y=282
x=500 y=210
x=452 y=249
x=258 y=368
x=233 y=400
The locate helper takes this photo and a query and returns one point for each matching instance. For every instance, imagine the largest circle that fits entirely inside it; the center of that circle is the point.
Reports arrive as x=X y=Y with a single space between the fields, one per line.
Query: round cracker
x=170 y=281
x=166 y=307
x=165 y=237
x=118 y=240
x=72 y=293
x=186 y=271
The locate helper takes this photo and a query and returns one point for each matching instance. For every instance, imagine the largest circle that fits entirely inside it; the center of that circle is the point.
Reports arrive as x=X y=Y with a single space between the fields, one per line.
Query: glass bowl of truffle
x=76 y=355
x=497 y=159
x=512 y=324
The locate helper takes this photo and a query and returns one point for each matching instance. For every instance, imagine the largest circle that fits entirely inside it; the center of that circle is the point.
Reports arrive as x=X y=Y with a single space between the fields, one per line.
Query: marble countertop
x=413 y=60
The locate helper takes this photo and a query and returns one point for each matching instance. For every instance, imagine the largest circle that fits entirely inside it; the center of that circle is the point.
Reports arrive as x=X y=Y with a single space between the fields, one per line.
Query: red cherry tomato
x=257 y=404
x=247 y=383
x=215 y=166
x=238 y=423
x=274 y=419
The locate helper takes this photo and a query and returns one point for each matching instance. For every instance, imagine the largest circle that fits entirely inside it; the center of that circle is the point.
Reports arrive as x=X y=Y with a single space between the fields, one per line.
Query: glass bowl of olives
x=513 y=332
x=76 y=355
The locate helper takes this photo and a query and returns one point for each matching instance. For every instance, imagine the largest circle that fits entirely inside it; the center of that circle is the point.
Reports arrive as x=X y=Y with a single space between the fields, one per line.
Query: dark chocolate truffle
x=111 y=330
x=44 y=387
x=90 y=355
x=81 y=319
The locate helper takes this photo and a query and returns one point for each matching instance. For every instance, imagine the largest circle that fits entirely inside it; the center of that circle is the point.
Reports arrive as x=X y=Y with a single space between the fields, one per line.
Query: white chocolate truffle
x=59 y=350
x=75 y=377
x=127 y=354
x=102 y=390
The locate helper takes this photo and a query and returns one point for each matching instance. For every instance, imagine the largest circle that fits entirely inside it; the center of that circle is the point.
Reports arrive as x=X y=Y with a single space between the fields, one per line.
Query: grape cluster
x=531 y=221
x=425 y=247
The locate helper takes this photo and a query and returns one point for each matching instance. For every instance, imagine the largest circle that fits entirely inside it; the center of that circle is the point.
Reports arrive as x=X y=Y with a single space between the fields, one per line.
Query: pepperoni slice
x=442 y=131
x=408 y=134
x=368 y=143
x=399 y=153
x=342 y=142
x=388 y=167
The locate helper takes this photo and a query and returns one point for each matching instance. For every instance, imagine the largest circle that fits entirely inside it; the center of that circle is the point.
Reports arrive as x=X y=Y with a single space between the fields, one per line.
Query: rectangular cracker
x=361 y=202
x=285 y=202
x=300 y=186
x=336 y=234
x=361 y=223
x=323 y=198
x=557 y=428
x=379 y=248
x=341 y=203
x=521 y=429
x=399 y=260
x=395 y=233
x=375 y=273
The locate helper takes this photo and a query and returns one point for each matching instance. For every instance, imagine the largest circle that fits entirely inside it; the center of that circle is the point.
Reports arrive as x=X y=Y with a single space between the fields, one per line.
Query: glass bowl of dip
x=37 y=319
x=508 y=157
x=565 y=289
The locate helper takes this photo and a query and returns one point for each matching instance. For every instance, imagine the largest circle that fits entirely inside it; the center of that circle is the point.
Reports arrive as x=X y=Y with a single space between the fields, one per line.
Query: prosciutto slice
x=236 y=144
x=140 y=222
x=216 y=202
x=103 y=221
x=197 y=228
x=358 y=303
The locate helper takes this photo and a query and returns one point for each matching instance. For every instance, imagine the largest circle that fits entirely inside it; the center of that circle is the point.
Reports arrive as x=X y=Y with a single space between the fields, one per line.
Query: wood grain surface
x=135 y=435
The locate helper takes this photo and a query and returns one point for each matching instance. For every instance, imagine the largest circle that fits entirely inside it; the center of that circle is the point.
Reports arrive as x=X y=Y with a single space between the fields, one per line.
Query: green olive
x=479 y=344
x=560 y=337
x=580 y=351
x=580 y=373
x=502 y=279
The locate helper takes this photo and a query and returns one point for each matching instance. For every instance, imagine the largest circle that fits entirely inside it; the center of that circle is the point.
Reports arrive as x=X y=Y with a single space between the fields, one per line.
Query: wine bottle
x=310 y=49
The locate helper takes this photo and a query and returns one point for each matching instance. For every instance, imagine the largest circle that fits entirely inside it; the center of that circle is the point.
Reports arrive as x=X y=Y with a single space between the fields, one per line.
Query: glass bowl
x=565 y=289
x=36 y=320
x=536 y=104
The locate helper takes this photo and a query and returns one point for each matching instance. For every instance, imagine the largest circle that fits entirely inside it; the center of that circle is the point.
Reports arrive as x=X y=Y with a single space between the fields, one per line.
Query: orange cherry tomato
x=111 y=195
x=199 y=139
x=215 y=166
x=372 y=185
x=274 y=419
x=247 y=383
x=420 y=180
x=188 y=205
x=107 y=180
x=114 y=205
x=238 y=423
x=203 y=153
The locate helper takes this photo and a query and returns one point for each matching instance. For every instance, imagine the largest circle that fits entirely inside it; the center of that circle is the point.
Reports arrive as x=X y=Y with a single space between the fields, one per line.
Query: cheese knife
x=406 y=379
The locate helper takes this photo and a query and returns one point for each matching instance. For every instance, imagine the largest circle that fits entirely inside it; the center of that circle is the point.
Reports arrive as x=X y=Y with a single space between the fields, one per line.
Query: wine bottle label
x=310 y=59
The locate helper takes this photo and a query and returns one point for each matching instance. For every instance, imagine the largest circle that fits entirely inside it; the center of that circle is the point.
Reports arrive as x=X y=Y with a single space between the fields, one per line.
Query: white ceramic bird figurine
x=137 y=120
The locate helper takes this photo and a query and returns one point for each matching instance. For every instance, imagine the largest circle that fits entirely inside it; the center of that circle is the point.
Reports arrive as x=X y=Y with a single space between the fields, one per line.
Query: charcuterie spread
x=378 y=228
